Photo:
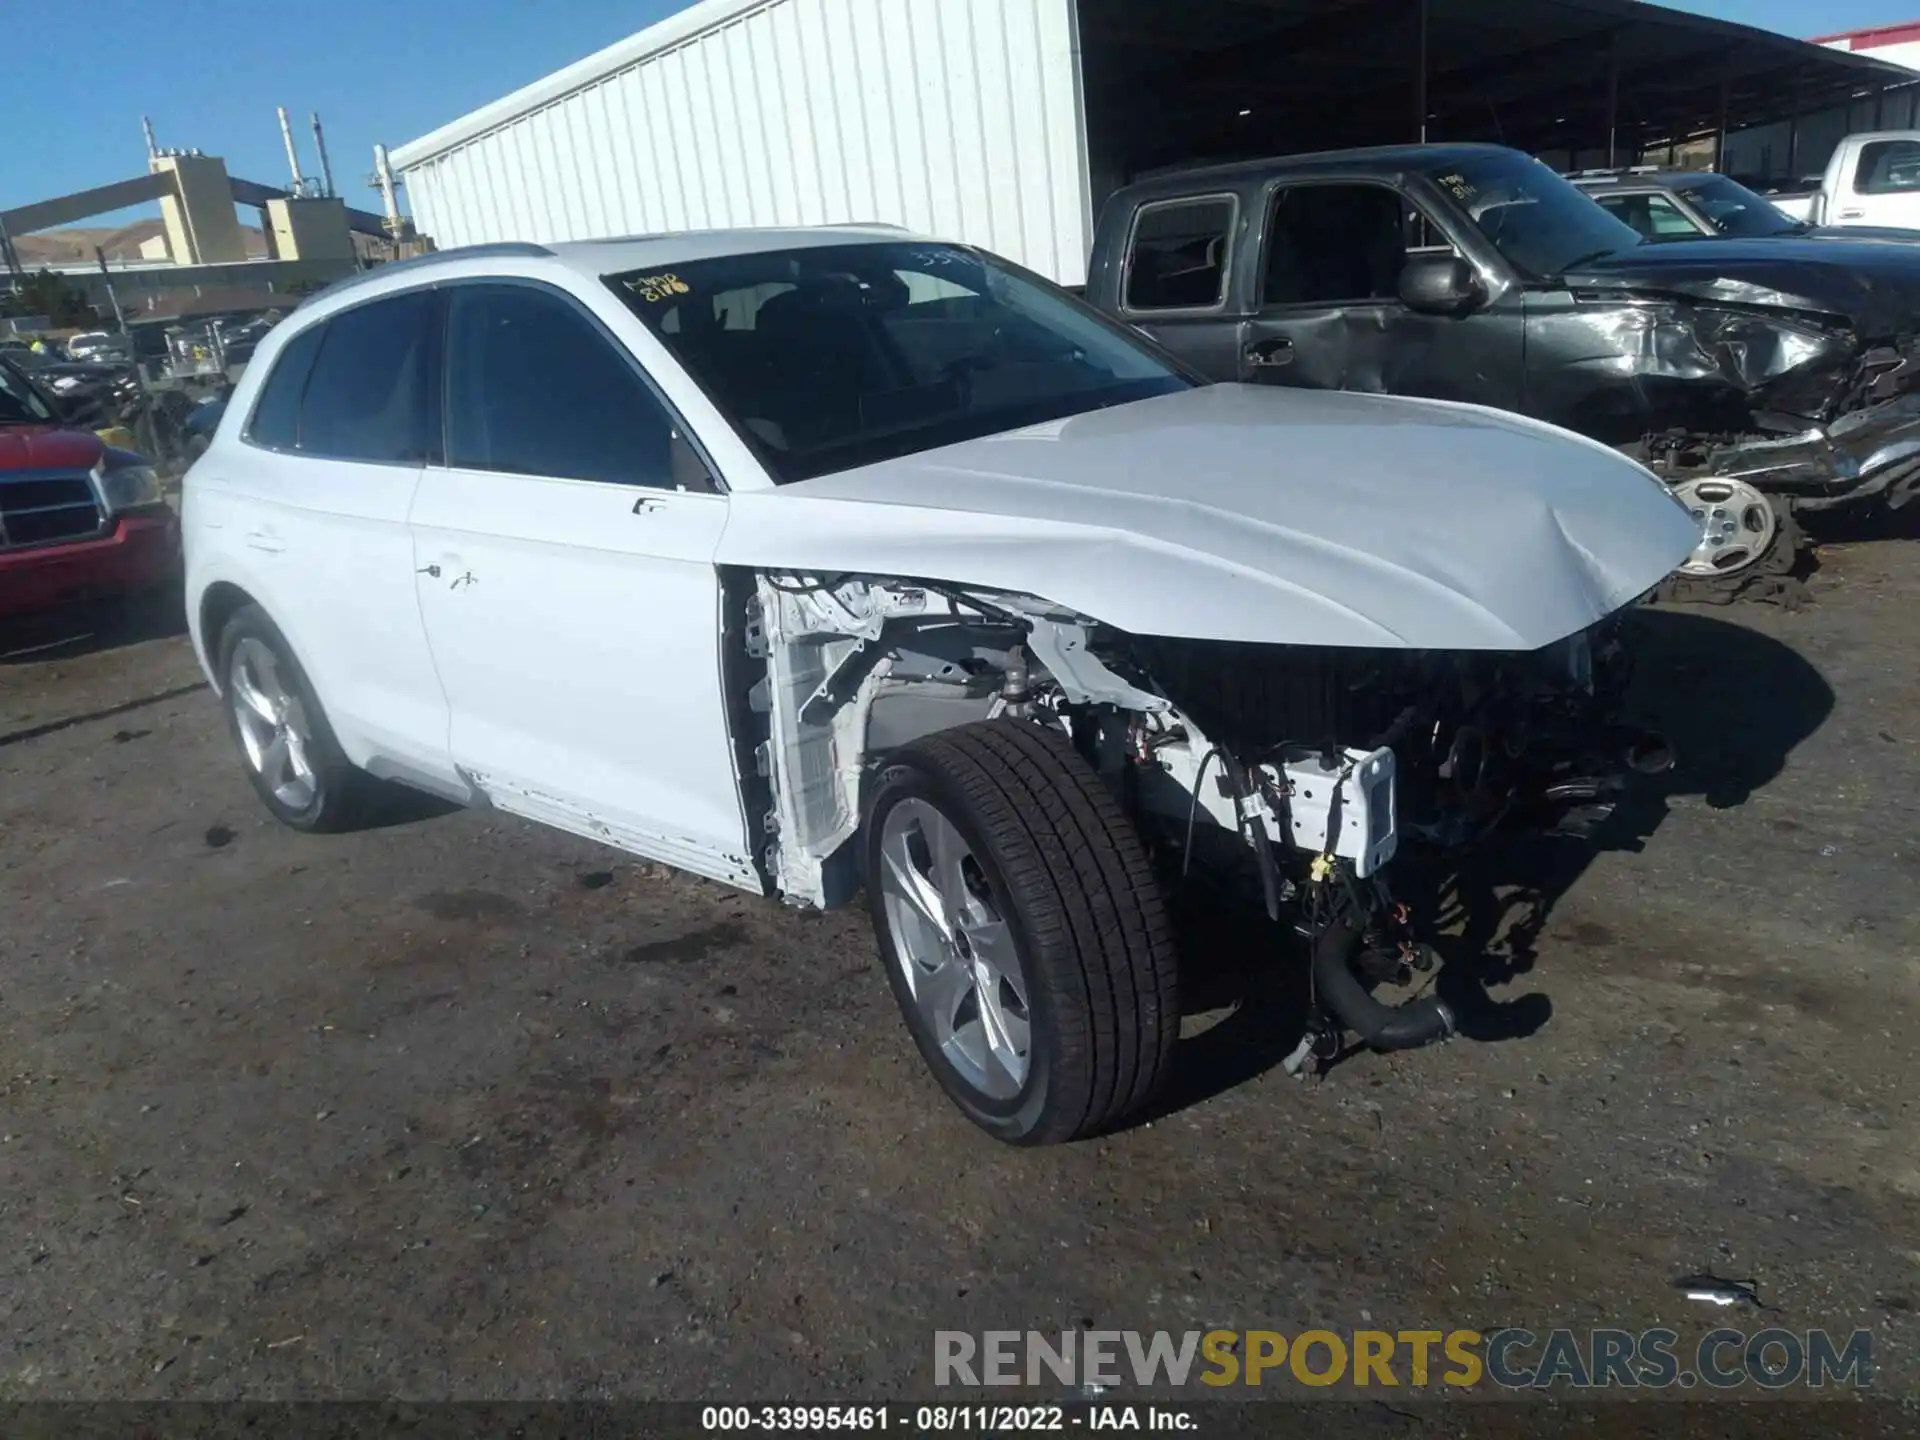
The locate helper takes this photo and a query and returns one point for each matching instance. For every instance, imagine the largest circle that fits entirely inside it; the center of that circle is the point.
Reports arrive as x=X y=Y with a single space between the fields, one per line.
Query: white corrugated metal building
x=955 y=120
x=1004 y=123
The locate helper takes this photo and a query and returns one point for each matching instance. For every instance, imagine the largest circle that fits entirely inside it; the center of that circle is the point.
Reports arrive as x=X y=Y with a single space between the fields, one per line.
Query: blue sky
x=210 y=72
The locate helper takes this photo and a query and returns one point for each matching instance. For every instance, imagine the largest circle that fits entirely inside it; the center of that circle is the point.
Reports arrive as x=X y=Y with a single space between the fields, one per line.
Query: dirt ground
x=462 y=1107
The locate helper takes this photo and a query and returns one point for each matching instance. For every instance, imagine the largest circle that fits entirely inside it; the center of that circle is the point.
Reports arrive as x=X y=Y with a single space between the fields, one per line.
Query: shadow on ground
x=1733 y=702
x=70 y=631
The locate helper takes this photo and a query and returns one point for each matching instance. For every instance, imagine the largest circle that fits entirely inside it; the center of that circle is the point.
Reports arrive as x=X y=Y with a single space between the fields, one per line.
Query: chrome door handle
x=1271 y=353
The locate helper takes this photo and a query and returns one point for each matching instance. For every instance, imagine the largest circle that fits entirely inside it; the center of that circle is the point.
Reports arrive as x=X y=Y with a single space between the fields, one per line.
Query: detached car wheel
x=1024 y=934
x=296 y=766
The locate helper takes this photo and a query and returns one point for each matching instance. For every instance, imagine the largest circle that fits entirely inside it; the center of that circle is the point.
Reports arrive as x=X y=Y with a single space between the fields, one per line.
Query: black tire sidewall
x=331 y=767
x=910 y=777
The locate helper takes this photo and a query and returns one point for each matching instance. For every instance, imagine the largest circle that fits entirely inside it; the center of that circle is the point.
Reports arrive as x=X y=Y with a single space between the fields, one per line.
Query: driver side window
x=1342 y=243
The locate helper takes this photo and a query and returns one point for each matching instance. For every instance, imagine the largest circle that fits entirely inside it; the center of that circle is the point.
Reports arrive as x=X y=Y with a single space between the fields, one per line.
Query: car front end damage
x=1309 y=770
x=1762 y=406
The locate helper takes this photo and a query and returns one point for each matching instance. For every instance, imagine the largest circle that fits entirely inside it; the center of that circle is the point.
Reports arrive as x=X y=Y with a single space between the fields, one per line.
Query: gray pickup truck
x=1757 y=377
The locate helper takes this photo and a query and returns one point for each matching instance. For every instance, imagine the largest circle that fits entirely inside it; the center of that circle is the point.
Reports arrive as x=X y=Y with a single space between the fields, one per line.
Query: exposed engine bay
x=1321 y=764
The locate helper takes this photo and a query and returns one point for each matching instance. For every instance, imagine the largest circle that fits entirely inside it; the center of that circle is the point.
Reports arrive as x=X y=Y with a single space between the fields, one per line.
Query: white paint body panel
x=333 y=569
x=581 y=661
x=1838 y=202
x=954 y=118
x=1255 y=513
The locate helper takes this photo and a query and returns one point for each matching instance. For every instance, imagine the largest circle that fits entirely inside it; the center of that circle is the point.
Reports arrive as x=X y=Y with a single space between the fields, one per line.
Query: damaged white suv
x=812 y=559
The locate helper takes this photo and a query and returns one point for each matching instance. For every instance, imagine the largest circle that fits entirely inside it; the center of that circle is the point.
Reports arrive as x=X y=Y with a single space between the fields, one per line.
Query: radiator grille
x=44 y=509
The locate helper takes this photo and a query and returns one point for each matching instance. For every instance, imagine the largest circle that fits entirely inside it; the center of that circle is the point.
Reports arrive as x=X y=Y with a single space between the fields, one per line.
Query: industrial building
x=1799 y=146
x=200 y=250
x=1006 y=123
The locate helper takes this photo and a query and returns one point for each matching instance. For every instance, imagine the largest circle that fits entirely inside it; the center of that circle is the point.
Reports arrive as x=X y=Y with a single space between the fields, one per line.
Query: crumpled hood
x=1238 y=512
x=48 y=447
x=1875 y=285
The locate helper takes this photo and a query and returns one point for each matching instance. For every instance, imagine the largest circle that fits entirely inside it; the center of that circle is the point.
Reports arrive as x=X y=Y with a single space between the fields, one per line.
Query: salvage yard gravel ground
x=462 y=1107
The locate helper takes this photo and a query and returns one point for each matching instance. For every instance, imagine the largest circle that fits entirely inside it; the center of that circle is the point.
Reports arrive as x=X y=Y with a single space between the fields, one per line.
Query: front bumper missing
x=1868 y=454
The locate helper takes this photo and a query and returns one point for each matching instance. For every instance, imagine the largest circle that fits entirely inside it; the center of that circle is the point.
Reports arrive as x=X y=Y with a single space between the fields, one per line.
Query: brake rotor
x=1737 y=525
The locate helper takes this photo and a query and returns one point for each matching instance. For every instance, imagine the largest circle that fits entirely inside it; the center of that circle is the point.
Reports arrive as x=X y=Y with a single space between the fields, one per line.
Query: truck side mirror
x=1440 y=285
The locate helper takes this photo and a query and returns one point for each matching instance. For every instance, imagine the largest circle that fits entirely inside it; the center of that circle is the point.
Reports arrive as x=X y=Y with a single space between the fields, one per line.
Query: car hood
x=1236 y=512
x=1859 y=232
x=48 y=447
x=1877 y=287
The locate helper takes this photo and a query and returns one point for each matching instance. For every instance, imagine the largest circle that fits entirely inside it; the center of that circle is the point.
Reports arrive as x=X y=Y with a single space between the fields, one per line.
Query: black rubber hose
x=1382 y=1027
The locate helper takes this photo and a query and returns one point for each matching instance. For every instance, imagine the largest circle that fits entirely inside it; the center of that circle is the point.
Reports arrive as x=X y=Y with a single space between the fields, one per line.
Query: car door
x=314 y=505
x=1176 y=275
x=1329 y=314
x=564 y=553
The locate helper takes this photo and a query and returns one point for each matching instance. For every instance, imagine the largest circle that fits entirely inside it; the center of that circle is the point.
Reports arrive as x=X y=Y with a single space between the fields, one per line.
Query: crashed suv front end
x=1792 y=389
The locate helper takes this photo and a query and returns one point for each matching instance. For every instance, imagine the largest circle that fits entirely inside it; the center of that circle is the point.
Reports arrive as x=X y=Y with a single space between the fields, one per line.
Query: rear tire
x=286 y=745
x=1054 y=933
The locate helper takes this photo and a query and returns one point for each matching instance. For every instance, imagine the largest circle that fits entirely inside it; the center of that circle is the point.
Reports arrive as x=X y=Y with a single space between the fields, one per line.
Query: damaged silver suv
x=820 y=560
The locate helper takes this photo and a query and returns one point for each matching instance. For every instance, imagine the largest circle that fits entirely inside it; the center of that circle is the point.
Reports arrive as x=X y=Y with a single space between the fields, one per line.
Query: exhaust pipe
x=1381 y=1027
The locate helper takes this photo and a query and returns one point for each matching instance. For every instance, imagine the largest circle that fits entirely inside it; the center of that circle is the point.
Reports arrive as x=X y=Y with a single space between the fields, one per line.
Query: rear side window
x=1177 y=258
x=370 y=394
x=536 y=388
x=1888 y=167
x=276 y=416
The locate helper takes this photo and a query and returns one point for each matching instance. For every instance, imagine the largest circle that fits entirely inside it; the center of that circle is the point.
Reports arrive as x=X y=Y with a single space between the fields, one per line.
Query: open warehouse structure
x=1006 y=123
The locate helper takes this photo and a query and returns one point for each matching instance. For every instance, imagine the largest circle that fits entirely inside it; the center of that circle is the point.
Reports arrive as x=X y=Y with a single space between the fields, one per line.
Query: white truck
x=1873 y=179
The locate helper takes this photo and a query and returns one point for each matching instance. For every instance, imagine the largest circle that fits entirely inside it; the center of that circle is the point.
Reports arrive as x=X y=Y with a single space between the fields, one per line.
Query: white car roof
x=592 y=259
x=647 y=252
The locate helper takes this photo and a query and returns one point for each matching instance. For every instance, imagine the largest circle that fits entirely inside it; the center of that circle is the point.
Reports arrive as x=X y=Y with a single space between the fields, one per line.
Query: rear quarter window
x=1888 y=167
x=276 y=414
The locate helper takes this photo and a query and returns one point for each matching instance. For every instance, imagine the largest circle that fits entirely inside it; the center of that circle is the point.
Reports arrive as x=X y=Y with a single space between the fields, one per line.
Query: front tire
x=1023 y=931
x=291 y=757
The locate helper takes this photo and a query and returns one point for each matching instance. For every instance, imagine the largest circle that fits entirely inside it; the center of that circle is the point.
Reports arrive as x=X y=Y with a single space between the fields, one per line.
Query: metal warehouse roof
x=1535 y=73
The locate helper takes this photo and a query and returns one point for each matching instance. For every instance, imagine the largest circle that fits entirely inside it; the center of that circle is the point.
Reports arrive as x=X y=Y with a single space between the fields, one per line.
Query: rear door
x=1176 y=274
x=315 y=505
x=565 y=567
x=1330 y=317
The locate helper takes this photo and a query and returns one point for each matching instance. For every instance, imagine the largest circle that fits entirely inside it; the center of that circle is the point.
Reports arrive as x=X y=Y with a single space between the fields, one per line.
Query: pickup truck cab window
x=535 y=388
x=1180 y=253
x=852 y=354
x=1888 y=167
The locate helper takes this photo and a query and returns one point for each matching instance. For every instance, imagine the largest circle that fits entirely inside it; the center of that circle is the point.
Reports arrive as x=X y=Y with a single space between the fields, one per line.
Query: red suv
x=79 y=519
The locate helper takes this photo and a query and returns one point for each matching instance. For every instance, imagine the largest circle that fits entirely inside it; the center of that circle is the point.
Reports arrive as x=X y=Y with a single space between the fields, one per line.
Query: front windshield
x=843 y=355
x=1539 y=222
x=20 y=403
x=1732 y=209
